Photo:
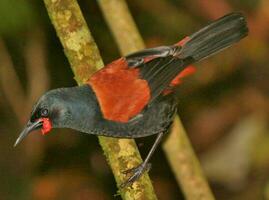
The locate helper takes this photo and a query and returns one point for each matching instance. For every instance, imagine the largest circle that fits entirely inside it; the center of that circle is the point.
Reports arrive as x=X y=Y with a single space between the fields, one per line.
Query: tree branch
x=185 y=164
x=177 y=148
x=85 y=59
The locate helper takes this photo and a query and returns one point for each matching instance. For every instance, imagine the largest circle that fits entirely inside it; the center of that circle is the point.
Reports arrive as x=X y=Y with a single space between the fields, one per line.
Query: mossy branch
x=177 y=147
x=85 y=59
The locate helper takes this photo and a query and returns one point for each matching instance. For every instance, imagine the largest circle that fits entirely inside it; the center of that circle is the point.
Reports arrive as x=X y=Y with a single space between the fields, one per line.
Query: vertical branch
x=185 y=164
x=122 y=25
x=177 y=148
x=85 y=59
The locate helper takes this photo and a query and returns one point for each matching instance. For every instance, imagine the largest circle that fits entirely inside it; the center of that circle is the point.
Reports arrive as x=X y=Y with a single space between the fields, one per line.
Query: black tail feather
x=215 y=37
x=166 y=62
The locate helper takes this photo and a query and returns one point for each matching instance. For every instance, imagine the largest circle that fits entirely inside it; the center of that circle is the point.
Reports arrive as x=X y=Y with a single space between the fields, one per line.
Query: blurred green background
x=224 y=106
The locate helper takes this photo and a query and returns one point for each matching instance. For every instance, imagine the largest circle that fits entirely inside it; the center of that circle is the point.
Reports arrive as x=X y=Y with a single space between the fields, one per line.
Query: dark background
x=224 y=106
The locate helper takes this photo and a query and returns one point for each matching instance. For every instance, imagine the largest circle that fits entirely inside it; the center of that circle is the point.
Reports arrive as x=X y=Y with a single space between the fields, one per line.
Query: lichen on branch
x=72 y=30
x=84 y=58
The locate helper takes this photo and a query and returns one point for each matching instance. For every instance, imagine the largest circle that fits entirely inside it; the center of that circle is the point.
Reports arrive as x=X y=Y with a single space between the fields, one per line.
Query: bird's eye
x=44 y=112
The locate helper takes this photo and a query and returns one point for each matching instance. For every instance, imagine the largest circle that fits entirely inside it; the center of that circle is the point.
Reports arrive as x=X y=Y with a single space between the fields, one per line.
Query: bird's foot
x=136 y=173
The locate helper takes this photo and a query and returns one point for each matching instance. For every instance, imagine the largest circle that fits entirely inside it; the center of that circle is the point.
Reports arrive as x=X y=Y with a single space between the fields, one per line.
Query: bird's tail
x=215 y=37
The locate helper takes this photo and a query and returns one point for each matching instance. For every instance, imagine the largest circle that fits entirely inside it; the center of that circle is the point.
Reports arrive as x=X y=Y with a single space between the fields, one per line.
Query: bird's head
x=49 y=112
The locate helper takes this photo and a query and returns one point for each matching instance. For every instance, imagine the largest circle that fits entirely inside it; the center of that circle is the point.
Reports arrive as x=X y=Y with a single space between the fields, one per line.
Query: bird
x=134 y=96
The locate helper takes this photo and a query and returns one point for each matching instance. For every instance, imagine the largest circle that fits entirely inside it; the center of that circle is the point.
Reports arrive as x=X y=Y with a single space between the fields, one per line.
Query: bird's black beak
x=28 y=129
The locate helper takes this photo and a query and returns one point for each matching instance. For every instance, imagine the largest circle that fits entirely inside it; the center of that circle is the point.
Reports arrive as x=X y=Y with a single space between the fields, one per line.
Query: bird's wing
x=162 y=73
x=161 y=67
x=124 y=87
x=120 y=91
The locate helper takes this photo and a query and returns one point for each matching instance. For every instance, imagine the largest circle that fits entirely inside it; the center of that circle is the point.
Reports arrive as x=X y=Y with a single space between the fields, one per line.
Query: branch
x=85 y=59
x=185 y=164
x=122 y=25
x=178 y=150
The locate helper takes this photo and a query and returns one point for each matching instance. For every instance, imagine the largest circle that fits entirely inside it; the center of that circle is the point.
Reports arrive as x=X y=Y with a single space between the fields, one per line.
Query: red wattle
x=46 y=126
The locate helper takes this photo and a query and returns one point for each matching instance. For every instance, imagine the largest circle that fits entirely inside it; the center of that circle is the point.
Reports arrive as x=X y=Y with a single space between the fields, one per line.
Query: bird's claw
x=136 y=174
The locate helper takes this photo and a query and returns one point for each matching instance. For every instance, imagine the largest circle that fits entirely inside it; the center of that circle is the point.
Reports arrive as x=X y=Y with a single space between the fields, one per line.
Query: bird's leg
x=145 y=166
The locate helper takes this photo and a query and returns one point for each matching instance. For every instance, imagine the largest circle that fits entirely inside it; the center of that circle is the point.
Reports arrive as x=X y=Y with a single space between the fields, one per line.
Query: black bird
x=133 y=96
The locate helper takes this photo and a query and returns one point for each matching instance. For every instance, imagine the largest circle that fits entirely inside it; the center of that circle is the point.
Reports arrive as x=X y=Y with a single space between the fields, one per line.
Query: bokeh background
x=224 y=106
